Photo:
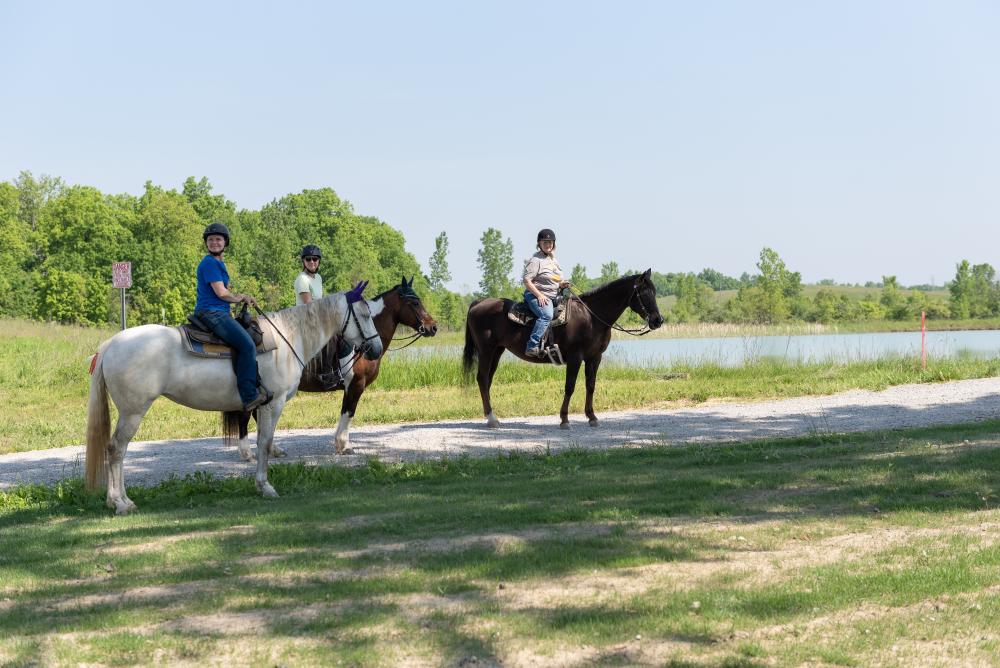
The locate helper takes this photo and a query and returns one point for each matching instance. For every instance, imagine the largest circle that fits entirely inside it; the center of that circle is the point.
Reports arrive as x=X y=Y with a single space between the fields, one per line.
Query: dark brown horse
x=398 y=305
x=583 y=339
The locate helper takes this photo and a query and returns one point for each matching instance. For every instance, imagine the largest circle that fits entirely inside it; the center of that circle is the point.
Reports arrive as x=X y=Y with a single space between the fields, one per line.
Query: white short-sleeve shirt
x=306 y=283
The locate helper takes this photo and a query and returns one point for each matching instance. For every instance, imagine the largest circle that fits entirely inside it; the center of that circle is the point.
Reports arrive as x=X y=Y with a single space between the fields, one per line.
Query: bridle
x=352 y=316
x=411 y=300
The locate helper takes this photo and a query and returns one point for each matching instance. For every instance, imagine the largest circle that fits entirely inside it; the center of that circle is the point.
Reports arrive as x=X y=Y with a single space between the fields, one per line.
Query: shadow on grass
x=455 y=528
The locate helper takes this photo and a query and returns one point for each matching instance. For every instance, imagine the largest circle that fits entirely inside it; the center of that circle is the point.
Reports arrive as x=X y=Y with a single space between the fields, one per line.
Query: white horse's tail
x=231 y=427
x=98 y=427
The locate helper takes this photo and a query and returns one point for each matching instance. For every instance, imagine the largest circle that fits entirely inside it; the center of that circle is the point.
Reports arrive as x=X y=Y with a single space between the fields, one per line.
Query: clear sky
x=856 y=138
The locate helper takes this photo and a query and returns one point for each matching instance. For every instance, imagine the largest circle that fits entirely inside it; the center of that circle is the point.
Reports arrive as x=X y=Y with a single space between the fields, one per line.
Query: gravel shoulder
x=903 y=406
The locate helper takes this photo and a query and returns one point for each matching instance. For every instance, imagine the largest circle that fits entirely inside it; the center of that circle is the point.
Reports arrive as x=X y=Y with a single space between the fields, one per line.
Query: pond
x=736 y=350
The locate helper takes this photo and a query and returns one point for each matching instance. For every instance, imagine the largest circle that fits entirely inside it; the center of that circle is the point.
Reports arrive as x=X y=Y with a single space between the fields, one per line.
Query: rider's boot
x=263 y=397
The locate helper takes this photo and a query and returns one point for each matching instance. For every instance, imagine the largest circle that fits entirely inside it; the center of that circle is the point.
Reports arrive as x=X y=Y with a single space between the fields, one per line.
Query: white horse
x=140 y=364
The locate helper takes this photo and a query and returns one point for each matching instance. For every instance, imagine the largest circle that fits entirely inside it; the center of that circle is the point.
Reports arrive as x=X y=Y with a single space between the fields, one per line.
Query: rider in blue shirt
x=212 y=308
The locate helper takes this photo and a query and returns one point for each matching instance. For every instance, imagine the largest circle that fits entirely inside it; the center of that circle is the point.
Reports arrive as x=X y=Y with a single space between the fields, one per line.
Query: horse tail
x=232 y=427
x=98 y=426
x=470 y=353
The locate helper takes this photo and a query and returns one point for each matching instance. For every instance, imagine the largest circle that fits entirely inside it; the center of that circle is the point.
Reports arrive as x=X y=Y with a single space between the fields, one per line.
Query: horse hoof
x=594 y=422
x=123 y=507
x=267 y=491
x=564 y=425
x=493 y=424
x=278 y=452
x=345 y=451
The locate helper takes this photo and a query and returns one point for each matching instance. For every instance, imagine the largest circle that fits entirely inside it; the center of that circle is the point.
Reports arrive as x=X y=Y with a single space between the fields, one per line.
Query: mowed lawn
x=876 y=549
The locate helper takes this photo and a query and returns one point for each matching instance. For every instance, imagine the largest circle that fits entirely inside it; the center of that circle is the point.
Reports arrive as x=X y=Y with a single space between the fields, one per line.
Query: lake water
x=736 y=350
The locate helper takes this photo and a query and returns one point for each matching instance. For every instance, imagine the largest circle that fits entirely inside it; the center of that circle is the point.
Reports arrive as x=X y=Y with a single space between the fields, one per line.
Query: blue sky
x=855 y=138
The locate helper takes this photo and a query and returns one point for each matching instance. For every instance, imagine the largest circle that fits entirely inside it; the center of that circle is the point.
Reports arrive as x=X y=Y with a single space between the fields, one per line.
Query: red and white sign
x=121 y=274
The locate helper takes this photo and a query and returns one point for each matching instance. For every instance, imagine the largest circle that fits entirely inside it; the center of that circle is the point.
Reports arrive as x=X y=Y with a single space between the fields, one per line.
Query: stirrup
x=554 y=354
x=330 y=380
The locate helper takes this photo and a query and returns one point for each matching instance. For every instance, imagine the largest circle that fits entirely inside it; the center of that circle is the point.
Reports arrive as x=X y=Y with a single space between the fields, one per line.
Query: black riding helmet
x=310 y=250
x=216 y=228
x=547 y=235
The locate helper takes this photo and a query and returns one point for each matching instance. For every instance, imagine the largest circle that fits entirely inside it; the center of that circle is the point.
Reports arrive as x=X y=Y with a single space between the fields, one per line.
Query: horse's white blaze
x=140 y=364
x=342 y=437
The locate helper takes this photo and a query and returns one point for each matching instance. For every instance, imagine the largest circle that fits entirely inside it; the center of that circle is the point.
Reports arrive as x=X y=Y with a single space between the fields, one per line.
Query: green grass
x=44 y=383
x=877 y=549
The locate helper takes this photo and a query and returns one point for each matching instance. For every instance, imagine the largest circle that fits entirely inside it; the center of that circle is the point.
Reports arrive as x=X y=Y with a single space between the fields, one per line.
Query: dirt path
x=903 y=406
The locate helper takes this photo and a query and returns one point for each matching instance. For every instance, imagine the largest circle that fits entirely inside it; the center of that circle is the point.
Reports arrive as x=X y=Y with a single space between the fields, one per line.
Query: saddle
x=521 y=314
x=198 y=340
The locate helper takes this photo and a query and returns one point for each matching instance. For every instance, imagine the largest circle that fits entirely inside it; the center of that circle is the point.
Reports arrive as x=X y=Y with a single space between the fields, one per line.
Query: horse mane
x=384 y=293
x=607 y=286
x=307 y=320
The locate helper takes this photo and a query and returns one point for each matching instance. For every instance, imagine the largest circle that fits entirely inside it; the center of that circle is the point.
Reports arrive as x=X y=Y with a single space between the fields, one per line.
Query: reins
x=409 y=339
x=275 y=327
x=615 y=326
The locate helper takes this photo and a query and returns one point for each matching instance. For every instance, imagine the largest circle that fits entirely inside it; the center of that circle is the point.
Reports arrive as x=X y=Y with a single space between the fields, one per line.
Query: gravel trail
x=902 y=406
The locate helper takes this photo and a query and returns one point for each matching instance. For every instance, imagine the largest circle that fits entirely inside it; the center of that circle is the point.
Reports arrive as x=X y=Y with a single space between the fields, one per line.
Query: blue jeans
x=244 y=350
x=544 y=317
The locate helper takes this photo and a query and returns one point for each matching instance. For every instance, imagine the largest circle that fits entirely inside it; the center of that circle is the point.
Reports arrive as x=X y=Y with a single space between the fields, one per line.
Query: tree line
x=773 y=295
x=58 y=242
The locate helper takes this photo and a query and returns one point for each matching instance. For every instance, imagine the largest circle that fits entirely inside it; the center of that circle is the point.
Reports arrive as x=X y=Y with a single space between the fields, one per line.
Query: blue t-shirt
x=210 y=270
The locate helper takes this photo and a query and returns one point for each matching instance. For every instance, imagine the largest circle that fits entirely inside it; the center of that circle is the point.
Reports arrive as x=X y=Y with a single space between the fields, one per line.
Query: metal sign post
x=121 y=277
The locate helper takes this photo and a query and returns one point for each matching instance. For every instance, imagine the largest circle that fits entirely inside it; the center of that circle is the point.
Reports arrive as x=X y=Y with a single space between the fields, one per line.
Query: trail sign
x=121 y=274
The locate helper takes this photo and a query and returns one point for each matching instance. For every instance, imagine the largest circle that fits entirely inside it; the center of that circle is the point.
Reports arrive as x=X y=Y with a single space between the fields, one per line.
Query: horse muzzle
x=655 y=322
x=427 y=331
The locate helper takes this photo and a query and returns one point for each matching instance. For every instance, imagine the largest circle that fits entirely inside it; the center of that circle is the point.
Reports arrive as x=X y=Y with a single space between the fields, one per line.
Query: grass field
x=876 y=549
x=44 y=385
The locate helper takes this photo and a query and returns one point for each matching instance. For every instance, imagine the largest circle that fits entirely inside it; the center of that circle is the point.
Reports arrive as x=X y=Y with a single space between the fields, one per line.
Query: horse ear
x=648 y=273
x=403 y=282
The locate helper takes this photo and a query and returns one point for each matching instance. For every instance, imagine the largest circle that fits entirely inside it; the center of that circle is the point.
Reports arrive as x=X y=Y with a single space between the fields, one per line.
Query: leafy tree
x=717 y=280
x=165 y=253
x=694 y=298
x=496 y=261
x=34 y=194
x=974 y=291
x=208 y=207
x=892 y=300
x=578 y=277
x=609 y=272
x=439 y=263
x=768 y=298
x=18 y=295
x=824 y=306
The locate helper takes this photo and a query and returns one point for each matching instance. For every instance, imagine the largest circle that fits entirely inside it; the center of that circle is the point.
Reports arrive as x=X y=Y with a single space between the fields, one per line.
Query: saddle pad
x=200 y=348
x=521 y=314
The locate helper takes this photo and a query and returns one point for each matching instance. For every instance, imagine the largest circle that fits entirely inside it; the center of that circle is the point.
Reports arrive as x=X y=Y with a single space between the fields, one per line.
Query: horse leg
x=243 y=444
x=342 y=437
x=590 y=375
x=487 y=367
x=572 y=369
x=267 y=420
x=128 y=424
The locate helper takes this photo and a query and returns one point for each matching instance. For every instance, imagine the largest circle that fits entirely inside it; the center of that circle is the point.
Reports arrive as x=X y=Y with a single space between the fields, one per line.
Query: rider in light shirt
x=542 y=280
x=309 y=287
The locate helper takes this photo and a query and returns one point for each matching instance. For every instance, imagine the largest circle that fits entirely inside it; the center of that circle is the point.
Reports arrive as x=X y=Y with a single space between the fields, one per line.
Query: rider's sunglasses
x=311 y=258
